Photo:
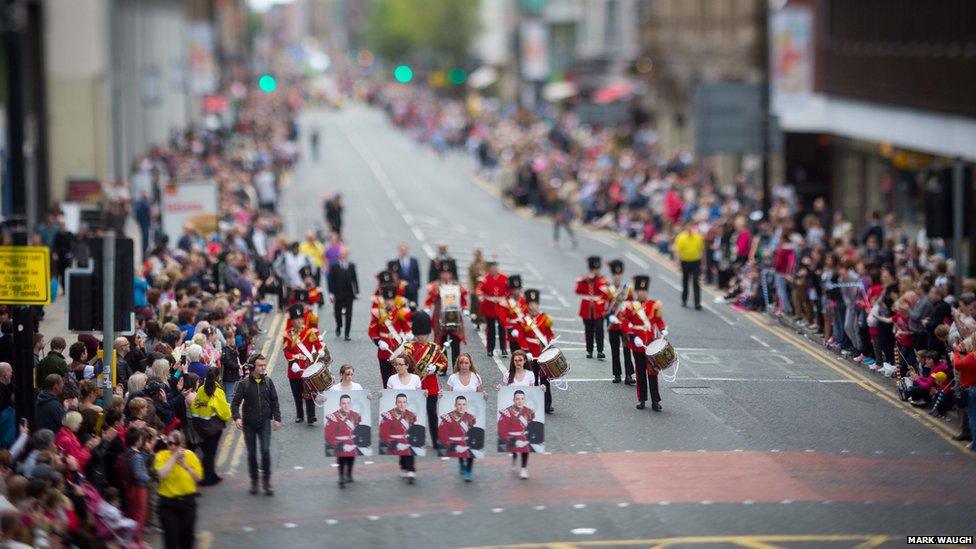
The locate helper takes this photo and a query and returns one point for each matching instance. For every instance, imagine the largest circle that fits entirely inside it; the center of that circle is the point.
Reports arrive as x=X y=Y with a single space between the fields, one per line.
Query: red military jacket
x=340 y=430
x=291 y=346
x=394 y=430
x=513 y=425
x=433 y=302
x=314 y=296
x=417 y=350
x=528 y=339
x=399 y=317
x=633 y=322
x=490 y=290
x=611 y=310
x=593 y=303
x=453 y=432
x=511 y=310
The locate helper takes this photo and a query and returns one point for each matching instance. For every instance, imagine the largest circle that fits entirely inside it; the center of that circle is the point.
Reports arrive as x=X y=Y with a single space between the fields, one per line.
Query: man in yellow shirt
x=314 y=249
x=179 y=471
x=689 y=249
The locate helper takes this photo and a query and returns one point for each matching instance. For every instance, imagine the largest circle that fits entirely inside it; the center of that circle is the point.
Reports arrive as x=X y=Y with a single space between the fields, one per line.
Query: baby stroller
x=111 y=526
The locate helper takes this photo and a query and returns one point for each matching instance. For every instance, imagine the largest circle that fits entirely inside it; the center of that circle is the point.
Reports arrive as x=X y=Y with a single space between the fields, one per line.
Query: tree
x=436 y=30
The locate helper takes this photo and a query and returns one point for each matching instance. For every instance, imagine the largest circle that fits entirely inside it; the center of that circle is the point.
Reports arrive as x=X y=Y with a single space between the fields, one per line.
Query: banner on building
x=190 y=203
x=534 y=41
x=202 y=63
x=791 y=57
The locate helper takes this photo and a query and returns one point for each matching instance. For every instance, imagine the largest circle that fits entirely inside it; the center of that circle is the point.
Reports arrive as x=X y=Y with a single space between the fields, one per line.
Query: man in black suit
x=343 y=290
x=409 y=271
x=441 y=258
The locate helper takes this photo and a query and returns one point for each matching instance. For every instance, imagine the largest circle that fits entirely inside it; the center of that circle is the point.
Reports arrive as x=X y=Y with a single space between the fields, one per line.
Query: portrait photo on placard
x=348 y=417
x=403 y=422
x=521 y=420
x=461 y=424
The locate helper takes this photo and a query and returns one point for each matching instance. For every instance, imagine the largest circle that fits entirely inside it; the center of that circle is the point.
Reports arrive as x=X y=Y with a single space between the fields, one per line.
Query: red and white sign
x=190 y=203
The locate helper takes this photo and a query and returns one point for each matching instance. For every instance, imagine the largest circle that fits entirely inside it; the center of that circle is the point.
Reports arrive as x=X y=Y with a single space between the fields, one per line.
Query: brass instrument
x=619 y=296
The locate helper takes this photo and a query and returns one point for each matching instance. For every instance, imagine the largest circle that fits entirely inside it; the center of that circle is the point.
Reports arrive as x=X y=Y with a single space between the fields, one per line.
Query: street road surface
x=763 y=441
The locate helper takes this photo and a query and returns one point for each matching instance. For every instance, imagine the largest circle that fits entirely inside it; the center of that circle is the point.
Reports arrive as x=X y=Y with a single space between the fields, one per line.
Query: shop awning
x=482 y=77
x=615 y=91
x=558 y=91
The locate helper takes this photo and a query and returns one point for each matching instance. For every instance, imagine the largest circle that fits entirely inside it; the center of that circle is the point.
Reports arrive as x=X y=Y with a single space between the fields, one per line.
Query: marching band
x=413 y=341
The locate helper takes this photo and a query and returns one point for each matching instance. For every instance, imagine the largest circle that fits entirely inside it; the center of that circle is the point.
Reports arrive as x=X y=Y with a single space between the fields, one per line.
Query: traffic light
x=403 y=74
x=85 y=312
x=457 y=76
x=267 y=83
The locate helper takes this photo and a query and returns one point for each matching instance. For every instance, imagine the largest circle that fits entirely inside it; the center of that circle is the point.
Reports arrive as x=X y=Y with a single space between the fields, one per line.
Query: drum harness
x=657 y=334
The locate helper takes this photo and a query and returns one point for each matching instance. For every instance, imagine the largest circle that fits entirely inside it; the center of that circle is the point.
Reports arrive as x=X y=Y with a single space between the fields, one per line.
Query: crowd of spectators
x=92 y=470
x=880 y=294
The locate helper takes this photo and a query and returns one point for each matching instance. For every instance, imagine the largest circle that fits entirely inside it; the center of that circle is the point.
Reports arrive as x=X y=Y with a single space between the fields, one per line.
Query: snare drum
x=316 y=378
x=552 y=363
x=660 y=355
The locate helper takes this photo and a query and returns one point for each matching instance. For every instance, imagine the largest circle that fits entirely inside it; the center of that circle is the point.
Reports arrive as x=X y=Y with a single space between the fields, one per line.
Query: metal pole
x=763 y=30
x=958 y=197
x=108 y=310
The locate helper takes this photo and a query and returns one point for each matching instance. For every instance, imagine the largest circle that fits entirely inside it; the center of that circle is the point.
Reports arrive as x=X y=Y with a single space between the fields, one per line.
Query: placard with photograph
x=403 y=422
x=461 y=424
x=347 y=423
x=521 y=420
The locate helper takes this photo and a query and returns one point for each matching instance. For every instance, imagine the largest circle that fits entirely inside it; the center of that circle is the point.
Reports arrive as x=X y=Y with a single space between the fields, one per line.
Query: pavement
x=764 y=440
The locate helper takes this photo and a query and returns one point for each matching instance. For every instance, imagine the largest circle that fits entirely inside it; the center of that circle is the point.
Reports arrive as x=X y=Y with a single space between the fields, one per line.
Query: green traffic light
x=457 y=76
x=267 y=83
x=403 y=74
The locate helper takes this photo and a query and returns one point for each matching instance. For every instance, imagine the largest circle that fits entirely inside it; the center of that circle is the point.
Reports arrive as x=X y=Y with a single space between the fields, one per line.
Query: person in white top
x=343 y=422
x=518 y=376
x=404 y=378
x=465 y=378
x=346 y=373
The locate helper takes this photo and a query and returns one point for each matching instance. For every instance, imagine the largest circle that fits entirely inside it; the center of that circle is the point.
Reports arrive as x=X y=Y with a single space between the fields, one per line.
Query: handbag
x=960 y=396
x=208 y=427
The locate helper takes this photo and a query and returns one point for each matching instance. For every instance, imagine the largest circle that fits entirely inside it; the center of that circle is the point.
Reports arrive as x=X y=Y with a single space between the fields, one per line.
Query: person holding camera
x=179 y=471
x=255 y=410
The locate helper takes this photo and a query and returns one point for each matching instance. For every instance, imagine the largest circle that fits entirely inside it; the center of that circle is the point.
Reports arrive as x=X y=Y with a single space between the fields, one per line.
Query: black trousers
x=455 y=347
x=343 y=315
x=345 y=465
x=593 y=328
x=542 y=380
x=179 y=520
x=297 y=391
x=618 y=343
x=407 y=463
x=690 y=271
x=432 y=418
x=646 y=380
x=386 y=370
x=495 y=329
x=525 y=458
x=467 y=463
x=209 y=446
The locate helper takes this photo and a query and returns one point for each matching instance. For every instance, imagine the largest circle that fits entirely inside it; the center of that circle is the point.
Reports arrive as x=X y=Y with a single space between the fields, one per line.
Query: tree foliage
x=436 y=30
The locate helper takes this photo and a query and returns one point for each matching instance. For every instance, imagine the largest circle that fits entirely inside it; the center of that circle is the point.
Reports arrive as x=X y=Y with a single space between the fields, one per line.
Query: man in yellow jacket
x=210 y=412
x=689 y=249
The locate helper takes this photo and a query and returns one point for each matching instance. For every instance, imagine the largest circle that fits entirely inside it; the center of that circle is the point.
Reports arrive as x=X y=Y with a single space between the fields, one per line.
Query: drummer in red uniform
x=535 y=334
x=512 y=309
x=389 y=327
x=513 y=429
x=430 y=359
x=619 y=291
x=642 y=322
x=491 y=289
x=301 y=346
x=453 y=435
x=434 y=305
x=592 y=290
x=340 y=436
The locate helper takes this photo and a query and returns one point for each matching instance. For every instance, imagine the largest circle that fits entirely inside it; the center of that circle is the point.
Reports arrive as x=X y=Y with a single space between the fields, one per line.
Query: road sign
x=25 y=275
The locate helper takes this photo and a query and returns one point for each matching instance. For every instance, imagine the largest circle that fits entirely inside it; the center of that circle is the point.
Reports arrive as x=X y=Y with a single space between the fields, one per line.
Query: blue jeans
x=783 y=294
x=229 y=389
x=253 y=434
x=971 y=411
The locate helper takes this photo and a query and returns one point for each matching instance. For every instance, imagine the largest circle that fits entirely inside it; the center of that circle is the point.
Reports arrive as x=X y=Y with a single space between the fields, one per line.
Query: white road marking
x=456 y=513
x=583 y=531
x=540 y=507
x=373 y=517
x=561 y=299
x=579 y=506
x=612 y=242
x=532 y=269
x=497 y=510
x=290 y=525
x=638 y=260
x=331 y=521
x=247 y=528
x=761 y=342
x=623 y=504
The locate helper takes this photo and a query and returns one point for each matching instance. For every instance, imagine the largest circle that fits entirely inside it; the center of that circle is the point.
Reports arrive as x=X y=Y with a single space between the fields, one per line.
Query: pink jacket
x=69 y=444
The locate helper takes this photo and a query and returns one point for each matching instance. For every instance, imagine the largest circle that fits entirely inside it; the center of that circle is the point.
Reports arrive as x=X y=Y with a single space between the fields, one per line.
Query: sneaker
x=601 y=356
x=411 y=476
x=873 y=366
x=524 y=473
x=858 y=358
x=403 y=474
x=869 y=362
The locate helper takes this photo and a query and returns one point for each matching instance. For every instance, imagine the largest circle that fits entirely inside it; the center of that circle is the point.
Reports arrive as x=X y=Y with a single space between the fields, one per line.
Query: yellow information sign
x=25 y=275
